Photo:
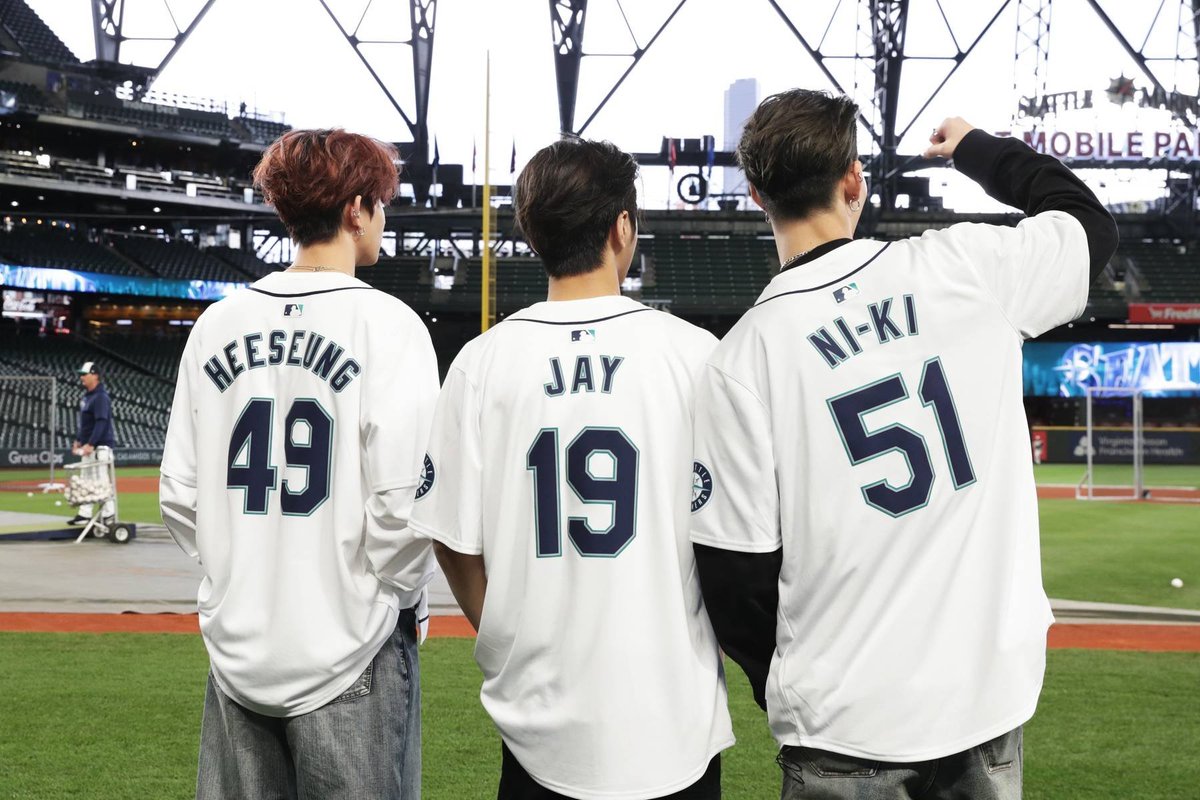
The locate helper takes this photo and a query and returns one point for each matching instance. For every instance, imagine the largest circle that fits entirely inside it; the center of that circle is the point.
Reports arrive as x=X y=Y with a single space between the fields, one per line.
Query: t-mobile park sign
x=1116 y=146
x=1181 y=143
x=1177 y=313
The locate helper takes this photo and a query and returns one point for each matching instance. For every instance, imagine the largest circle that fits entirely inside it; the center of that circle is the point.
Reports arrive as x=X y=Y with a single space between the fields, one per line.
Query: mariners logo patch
x=702 y=486
x=427 y=476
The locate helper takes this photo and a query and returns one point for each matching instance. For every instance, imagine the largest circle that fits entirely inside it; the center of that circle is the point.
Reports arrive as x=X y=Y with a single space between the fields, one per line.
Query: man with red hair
x=294 y=451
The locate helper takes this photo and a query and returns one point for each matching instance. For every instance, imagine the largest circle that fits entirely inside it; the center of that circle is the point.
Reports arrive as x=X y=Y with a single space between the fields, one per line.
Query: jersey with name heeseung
x=299 y=400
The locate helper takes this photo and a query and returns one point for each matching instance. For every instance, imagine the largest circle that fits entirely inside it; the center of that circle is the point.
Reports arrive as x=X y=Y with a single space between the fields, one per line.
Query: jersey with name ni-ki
x=299 y=425
x=561 y=452
x=866 y=417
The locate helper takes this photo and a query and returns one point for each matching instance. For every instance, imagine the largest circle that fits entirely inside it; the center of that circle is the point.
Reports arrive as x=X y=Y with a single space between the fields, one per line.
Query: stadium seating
x=29 y=98
x=26 y=164
x=46 y=246
x=176 y=259
x=141 y=399
x=253 y=266
x=1167 y=272
x=261 y=130
x=33 y=35
x=403 y=277
x=710 y=273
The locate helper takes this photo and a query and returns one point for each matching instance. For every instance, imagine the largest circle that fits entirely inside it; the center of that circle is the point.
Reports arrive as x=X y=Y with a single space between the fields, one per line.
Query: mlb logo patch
x=293 y=310
x=584 y=335
x=844 y=293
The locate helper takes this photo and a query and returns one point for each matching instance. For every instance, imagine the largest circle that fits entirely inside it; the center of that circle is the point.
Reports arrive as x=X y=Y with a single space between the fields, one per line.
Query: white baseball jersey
x=297 y=435
x=561 y=452
x=866 y=416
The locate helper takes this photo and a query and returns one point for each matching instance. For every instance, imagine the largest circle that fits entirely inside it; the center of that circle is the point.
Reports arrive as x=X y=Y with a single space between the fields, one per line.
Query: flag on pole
x=672 y=155
x=512 y=162
x=474 y=152
x=710 y=153
x=437 y=157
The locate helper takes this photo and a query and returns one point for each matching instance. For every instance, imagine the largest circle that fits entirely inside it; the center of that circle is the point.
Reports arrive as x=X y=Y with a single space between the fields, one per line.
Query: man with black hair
x=94 y=440
x=557 y=493
x=869 y=554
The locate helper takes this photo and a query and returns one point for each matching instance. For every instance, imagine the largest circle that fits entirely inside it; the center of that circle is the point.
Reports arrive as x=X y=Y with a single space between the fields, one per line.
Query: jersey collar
x=591 y=309
x=833 y=267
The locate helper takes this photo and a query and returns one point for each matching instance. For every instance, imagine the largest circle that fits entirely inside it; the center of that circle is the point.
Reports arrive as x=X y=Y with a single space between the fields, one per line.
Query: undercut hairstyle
x=310 y=176
x=567 y=198
x=795 y=148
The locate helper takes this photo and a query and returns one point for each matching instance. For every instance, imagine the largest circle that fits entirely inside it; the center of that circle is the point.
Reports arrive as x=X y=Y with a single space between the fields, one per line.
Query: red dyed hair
x=310 y=176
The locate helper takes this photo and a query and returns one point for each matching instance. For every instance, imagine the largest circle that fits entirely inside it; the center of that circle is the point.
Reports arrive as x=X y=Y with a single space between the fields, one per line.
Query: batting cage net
x=1141 y=445
x=29 y=424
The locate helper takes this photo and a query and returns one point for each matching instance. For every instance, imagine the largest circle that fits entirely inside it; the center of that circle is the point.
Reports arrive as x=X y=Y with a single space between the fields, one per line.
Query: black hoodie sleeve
x=1011 y=172
x=741 y=594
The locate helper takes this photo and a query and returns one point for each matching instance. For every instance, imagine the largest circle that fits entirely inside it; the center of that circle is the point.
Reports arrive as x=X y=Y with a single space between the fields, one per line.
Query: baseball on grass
x=1177 y=583
x=29 y=494
x=58 y=502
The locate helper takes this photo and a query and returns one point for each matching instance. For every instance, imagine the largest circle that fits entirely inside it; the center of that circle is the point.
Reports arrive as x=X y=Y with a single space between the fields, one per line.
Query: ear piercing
x=358 y=231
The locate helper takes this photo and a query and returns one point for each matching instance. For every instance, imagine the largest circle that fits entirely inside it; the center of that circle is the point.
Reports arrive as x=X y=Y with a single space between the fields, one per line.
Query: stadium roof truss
x=882 y=53
x=109 y=22
x=108 y=27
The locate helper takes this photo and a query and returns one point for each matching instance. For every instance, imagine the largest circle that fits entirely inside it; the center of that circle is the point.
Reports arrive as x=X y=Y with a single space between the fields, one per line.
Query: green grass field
x=117 y=716
x=1118 y=475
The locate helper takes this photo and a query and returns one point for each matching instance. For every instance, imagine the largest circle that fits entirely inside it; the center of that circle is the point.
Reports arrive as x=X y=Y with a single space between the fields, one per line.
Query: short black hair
x=795 y=147
x=567 y=198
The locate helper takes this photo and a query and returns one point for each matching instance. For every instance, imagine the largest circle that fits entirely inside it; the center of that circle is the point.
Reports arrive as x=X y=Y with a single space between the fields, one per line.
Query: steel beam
x=182 y=36
x=423 y=17
x=889 y=24
x=107 y=18
x=1137 y=56
x=1032 y=48
x=567 y=18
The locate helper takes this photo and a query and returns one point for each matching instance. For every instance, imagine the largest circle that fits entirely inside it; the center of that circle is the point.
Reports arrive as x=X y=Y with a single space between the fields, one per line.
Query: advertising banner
x=123 y=456
x=1115 y=445
x=1170 y=313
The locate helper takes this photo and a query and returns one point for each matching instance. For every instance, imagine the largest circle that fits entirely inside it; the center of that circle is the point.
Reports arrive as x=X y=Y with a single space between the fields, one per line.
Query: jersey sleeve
x=397 y=406
x=177 y=486
x=179 y=449
x=1038 y=271
x=735 y=503
x=449 y=508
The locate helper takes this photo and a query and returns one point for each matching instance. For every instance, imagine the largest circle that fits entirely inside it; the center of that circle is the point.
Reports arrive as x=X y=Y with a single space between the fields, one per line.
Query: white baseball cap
x=88 y=368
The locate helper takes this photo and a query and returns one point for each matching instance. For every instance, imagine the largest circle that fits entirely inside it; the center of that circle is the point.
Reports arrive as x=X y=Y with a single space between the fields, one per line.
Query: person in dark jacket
x=94 y=440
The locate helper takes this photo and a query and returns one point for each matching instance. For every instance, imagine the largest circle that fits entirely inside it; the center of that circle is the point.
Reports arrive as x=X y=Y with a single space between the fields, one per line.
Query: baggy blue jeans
x=990 y=771
x=366 y=743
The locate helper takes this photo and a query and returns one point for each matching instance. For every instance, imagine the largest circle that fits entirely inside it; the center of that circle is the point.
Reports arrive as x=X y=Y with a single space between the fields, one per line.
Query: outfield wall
x=1115 y=445
x=124 y=457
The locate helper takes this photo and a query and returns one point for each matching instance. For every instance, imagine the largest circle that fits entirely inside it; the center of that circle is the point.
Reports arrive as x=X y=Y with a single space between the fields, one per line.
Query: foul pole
x=487 y=283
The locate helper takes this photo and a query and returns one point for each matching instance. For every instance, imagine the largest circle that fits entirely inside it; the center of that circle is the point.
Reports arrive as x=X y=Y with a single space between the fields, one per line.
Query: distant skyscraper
x=741 y=98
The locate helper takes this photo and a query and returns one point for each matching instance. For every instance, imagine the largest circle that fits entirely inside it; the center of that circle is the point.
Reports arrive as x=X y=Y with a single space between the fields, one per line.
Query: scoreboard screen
x=1067 y=369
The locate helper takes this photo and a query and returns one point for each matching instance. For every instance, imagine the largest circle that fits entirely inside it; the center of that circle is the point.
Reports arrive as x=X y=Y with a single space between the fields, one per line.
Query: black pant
x=515 y=783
